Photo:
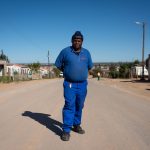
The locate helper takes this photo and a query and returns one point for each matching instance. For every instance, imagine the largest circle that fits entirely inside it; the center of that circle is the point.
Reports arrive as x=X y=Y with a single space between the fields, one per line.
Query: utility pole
x=143 y=43
x=143 y=46
x=48 y=65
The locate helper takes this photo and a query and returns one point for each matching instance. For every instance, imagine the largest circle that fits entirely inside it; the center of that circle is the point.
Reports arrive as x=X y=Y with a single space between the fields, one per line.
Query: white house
x=2 y=67
x=25 y=70
x=11 y=69
x=44 y=71
x=137 y=71
x=148 y=66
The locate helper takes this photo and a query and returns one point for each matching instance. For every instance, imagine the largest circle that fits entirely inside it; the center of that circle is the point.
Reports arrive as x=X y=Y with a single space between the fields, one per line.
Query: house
x=44 y=71
x=148 y=66
x=21 y=70
x=2 y=67
x=12 y=69
x=104 y=70
x=136 y=71
x=47 y=71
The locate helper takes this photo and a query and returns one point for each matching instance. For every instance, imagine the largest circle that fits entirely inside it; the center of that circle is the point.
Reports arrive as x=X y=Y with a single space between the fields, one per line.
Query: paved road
x=30 y=118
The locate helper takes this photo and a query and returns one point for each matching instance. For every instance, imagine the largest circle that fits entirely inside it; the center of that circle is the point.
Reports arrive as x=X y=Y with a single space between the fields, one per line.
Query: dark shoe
x=78 y=129
x=65 y=136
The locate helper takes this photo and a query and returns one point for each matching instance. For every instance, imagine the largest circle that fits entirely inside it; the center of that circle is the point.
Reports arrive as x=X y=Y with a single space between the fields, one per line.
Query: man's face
x=77 y=43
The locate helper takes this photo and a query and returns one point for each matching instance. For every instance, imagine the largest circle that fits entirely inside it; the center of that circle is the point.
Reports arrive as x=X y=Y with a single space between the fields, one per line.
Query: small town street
x=113 y=118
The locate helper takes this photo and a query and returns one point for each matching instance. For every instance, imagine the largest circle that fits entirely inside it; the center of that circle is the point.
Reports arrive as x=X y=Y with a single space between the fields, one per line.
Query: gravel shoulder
x=132 y=86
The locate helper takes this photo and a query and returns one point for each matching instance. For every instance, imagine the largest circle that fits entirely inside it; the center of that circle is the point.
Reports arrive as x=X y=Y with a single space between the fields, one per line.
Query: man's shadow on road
x=44 y=119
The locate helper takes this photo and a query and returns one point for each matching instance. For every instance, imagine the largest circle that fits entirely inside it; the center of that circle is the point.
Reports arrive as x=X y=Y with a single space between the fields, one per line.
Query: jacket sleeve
x=59 y=63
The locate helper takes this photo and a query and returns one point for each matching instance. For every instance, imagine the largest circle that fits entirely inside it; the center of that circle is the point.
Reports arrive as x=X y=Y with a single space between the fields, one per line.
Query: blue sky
x=29 y=28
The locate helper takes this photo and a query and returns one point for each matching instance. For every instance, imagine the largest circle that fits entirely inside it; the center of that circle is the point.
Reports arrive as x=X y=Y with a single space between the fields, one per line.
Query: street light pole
x=143 y=46
x=143 y=25
x=48 y=65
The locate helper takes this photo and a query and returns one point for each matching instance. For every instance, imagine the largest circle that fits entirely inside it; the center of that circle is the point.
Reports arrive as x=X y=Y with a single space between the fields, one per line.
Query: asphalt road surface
x=31 y=118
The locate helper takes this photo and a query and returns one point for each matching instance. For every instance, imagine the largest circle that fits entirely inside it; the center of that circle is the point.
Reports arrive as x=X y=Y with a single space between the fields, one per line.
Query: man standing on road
x=75 y=62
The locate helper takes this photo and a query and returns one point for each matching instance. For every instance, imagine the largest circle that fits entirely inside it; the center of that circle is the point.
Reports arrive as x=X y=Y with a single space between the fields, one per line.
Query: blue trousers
x=74 y=94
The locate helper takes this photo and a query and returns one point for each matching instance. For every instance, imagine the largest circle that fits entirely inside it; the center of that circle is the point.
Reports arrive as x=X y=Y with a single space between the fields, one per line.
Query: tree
x=124 y=70
x=34 y=66
x=136 y=62
x=113 y=71
x=112 y=67
x=4 y=57
x=56 y=71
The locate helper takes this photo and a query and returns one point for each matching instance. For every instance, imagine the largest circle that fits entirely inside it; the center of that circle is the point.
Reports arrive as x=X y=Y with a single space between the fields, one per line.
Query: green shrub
x=114 y=74
x=56 y=71
x=5 y=79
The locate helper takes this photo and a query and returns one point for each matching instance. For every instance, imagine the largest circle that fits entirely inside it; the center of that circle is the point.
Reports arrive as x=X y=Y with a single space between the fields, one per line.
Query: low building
x=44 y=71
x=136 y=71
x=104 y=70
x=2 y=67
x=15 y=69
x=148 y=66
